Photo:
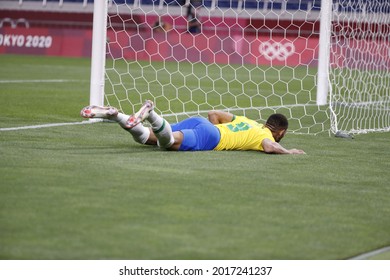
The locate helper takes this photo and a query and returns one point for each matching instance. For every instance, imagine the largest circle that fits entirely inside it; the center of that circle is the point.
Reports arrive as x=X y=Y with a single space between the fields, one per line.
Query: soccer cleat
x=141 y=115
x=98 y=112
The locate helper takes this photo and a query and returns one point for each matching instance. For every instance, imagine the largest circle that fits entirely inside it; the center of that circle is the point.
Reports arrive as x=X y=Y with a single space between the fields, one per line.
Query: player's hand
x=297 y=152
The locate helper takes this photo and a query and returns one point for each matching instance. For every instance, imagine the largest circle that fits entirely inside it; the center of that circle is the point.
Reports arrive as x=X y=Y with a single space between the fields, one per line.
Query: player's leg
x=140 y=133
x=161 y=128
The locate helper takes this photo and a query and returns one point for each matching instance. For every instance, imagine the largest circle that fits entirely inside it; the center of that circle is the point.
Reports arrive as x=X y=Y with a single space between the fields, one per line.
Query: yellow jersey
x=242 y=134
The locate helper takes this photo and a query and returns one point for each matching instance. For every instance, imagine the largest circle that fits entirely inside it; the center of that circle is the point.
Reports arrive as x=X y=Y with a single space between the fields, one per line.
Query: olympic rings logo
x=14 y=22
x=276 y=50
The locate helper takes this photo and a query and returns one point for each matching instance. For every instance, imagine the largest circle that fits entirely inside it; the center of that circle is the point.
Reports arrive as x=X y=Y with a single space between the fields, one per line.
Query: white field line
x=371 y=254
x=241 y=109
x=49 y=125
x=36 y=81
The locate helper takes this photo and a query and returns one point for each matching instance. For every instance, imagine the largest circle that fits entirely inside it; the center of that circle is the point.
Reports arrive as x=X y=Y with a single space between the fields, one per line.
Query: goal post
x=98 y=59
x=249 y=57
x=324 y=52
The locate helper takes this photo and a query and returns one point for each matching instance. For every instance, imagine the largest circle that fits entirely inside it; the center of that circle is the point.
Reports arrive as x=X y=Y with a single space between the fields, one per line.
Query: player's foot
x=141 y=115
x=98 y=112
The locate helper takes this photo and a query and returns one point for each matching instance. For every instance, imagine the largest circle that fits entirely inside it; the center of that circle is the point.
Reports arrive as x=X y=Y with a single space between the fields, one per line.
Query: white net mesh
x=360 y=66
x=251 y=58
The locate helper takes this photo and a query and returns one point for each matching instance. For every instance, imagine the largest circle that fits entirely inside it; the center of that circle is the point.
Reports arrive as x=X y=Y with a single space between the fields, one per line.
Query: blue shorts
x=198 y=134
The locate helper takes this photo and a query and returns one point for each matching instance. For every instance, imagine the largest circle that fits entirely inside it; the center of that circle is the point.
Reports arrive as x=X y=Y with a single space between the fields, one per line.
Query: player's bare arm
x=218 y=117
x=271 y=147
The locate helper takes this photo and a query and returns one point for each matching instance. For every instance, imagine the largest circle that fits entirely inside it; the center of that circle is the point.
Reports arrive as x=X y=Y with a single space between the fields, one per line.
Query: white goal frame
x=99 y=40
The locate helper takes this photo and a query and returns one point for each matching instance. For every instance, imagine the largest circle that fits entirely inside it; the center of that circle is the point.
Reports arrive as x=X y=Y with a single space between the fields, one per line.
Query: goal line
x=49 y=125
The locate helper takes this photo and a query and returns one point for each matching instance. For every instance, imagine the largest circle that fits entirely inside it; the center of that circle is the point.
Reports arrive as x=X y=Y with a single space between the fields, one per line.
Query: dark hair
x=277 y=122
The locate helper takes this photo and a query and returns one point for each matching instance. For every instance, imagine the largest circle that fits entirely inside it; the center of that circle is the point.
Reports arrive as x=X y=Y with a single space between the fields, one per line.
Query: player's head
x=278 y=125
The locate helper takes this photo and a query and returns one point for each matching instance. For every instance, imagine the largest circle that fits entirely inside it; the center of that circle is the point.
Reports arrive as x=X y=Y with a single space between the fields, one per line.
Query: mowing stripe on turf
x=371 y=254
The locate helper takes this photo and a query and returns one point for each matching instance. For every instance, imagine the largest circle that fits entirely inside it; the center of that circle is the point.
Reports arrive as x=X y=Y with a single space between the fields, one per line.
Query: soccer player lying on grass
x=222 y=130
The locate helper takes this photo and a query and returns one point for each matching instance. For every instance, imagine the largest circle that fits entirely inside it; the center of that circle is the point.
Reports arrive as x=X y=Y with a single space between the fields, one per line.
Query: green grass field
x=88 y=191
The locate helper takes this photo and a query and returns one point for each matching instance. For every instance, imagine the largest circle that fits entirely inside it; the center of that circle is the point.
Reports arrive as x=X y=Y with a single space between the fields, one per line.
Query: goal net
x=252 y=58
x=360 y=66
